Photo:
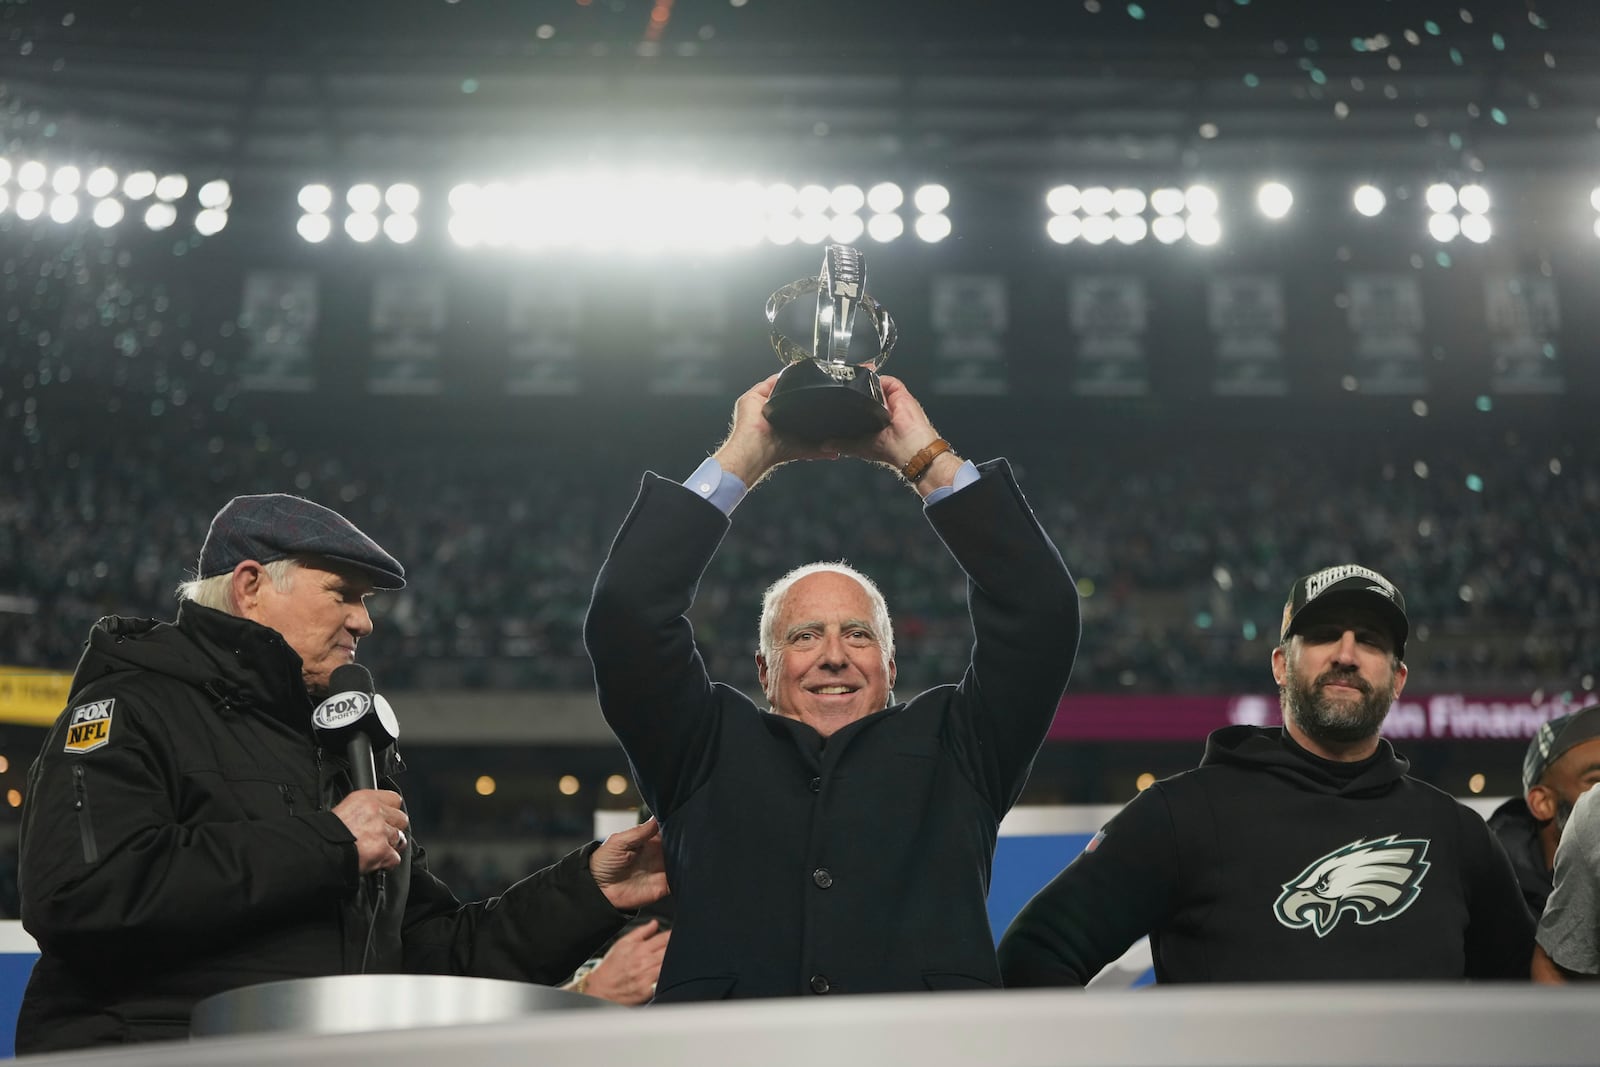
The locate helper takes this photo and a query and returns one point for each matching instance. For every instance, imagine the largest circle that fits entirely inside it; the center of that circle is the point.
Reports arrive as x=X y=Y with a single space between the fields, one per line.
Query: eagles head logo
x=1368 y=880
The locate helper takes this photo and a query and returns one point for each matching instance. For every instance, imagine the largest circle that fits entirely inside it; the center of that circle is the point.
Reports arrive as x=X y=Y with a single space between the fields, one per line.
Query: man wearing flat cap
x=183 y=834
x=1561 y=764
x=1295 y=853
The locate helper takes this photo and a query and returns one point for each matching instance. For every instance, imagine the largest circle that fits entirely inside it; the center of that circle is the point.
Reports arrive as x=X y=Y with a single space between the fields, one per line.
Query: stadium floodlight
x=1064 y=229
x=1440 y=198
x=402 y=198
x=1476 y=229
x=1597 y=227
x=138 y=185
x=1474 y=199
x=1167 y=201
x=209 y=221
x=783 y=229
x=1201 y=200
x=5 y=170
x=102 y=182
x=464 y=196
x=30 y=205
x=1369 y=200
x=160 y=215
x=1444 y=227
x=782 y=198
x=885 y=197
x=314 y=228
x=932 y=199
x=5 y=198
x=847 y=199
x=315 y=199
x=846 y=229
x=812 y=199
x=464 y=230
x=885 y=227
x=1128 y=202
x=63 y=208
x=1594 y=198
x=171 y=187
x=66 y=180
x=933 y=228
x=1274 y=199
x=813 y=228
x=364 y=198
x=401 y=229
x=31 y=175
x=361 y=226
x=1168 y=229
x=1131 y=229
x=1204 y=230
x=1063 y=199
x=1097 y=200
x=107 y=213
x=215 y=193
x=1098 y=229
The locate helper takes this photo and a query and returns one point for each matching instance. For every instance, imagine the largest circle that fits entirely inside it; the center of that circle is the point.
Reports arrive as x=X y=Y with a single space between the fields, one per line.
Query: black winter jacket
x=178 y=841
x=1268 y=863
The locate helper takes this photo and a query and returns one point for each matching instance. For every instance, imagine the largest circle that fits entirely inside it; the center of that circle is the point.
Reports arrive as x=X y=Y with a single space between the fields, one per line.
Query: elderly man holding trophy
x=840 y=841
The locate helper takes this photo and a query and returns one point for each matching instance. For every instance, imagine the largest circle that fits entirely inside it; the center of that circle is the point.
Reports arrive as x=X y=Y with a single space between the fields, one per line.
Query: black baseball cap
x=273 y=526
x=1554 y=739
x=1312 y=597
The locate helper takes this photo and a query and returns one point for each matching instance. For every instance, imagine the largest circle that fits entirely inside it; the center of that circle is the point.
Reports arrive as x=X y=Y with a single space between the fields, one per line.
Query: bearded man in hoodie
x=1295 y=853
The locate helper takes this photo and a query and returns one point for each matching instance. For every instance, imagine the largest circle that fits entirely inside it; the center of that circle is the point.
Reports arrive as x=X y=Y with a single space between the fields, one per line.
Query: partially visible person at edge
x=1561 y=764
x=1568 y=948
x=183 y=834
x=842 y=841
x=1300 y=853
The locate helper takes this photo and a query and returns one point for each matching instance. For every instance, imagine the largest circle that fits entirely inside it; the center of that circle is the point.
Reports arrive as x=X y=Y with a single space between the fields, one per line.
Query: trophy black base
x=808 y=405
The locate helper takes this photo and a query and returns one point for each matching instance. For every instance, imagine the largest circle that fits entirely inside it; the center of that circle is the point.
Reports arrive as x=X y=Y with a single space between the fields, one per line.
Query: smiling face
x=828 y=665
x=1337 y=677
x=320 y=613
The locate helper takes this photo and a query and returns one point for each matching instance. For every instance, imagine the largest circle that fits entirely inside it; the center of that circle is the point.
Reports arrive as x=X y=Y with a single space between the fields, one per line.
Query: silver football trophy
x=822 y=395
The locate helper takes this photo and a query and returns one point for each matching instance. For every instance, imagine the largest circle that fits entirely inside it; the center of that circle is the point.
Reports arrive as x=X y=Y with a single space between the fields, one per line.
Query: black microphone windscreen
x=351 y=678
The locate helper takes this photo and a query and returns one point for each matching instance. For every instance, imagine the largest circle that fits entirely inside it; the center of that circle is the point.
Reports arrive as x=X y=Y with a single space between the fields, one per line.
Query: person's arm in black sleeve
x=1025 y=623
x=545 y=925
x=1115 y=892
x=106 y=865
x=1499 y=936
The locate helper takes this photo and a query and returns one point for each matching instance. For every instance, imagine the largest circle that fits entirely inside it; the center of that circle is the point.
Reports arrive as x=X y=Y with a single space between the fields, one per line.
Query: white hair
x=772 y=605
x=216 y=592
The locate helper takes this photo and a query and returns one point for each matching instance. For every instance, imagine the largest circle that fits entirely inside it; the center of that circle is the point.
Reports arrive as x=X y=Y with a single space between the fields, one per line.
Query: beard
x=1335 y=720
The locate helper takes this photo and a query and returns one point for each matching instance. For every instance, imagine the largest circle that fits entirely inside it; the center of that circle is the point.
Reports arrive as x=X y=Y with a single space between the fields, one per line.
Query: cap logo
x=341 y=709
x=1318 y=583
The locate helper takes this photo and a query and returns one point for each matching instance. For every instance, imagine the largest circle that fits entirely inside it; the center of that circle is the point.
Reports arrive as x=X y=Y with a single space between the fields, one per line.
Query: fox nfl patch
x=89 y=726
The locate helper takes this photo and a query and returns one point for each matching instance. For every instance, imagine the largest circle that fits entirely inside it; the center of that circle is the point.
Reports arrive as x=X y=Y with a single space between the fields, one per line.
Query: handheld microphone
x=355 y=722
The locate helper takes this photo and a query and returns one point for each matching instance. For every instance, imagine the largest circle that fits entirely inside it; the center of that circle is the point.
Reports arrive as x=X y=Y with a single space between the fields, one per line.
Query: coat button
x=816 y=785
x=823 y=877
x=819 y=983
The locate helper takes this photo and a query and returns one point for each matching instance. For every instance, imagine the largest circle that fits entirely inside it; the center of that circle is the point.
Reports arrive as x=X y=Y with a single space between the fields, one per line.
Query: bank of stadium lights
x=369 y=211
x=66 y=193
x=1594 y=202
x=1099 y=214
x=1457 y=212
x=649 y=213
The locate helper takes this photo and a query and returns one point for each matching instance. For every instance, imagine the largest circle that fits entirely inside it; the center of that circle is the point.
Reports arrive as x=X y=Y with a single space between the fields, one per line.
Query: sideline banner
x=32 y=697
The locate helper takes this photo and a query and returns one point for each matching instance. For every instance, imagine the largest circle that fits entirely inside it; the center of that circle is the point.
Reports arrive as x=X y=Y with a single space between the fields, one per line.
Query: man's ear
x=1280 y=665
x=1542 y=802
x=761 y=671
x=245 y=585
